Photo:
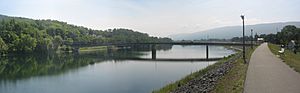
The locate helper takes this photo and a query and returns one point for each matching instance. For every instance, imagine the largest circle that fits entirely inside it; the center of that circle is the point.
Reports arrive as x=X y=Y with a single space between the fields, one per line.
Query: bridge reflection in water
x=153 y=52
x=173 y=59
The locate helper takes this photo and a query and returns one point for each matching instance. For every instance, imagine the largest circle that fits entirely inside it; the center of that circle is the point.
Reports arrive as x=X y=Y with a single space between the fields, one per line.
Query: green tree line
x=28 y=35
x=287 y=33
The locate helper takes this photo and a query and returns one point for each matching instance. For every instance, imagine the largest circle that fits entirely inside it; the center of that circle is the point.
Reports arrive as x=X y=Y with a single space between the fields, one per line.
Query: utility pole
x=251 y=38
x=244 y=56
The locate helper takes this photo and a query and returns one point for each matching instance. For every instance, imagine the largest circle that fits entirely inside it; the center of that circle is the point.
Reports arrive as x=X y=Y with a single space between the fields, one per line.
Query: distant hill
x=234 y=31
x=18 y=34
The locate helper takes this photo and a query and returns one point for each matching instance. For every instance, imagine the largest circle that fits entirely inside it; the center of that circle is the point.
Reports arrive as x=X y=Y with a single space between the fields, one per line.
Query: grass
x=291 y=59
x=170 y=87
x=93 y=48
x=233 y=81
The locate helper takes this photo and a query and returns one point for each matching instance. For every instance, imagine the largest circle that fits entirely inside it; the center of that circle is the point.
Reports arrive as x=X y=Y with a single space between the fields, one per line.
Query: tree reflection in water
x=17 y=66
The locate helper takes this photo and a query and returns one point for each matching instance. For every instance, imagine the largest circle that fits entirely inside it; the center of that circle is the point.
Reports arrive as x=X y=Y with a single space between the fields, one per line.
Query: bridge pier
x=153 y=51
x=207 y=52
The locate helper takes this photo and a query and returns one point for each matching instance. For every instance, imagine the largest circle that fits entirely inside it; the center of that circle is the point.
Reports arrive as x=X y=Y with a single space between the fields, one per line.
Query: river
x=100 y=71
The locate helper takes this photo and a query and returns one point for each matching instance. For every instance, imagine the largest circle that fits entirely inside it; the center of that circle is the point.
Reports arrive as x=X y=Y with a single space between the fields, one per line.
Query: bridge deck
x=78 y=44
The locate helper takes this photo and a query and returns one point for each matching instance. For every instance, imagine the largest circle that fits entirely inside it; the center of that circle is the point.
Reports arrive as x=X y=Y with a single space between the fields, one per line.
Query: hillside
x=234 y=31
x=27 y=35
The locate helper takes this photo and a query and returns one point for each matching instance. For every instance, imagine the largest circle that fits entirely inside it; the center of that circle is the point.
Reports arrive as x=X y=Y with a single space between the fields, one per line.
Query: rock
x=206 y=82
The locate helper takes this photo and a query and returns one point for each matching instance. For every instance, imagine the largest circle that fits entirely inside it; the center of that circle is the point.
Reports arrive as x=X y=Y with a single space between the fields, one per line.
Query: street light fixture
x=244 y=57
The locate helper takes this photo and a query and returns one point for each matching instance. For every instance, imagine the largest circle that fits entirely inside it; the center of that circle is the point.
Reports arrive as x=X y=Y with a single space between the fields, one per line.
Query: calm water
x=100 y=71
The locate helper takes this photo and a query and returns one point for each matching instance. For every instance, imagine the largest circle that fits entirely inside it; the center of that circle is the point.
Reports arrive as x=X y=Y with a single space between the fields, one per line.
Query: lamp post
x=251 y=38
x=244 y=56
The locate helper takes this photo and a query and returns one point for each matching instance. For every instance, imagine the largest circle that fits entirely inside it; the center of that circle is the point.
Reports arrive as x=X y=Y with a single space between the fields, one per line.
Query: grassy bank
x=93 y=48
x=170 y=87
x=233 y=81
x=291 y=59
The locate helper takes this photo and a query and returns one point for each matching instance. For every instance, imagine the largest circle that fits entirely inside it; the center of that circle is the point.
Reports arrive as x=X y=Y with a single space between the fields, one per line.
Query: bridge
x=87 y=44
x=77 y=45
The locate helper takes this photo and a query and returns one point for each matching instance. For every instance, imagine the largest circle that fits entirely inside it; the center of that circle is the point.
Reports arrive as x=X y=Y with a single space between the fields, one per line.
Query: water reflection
x=99 y=71
x=24 y=66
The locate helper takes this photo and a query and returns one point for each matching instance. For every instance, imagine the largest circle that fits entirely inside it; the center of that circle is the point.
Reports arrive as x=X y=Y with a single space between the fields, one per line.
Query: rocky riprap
x=206 y=82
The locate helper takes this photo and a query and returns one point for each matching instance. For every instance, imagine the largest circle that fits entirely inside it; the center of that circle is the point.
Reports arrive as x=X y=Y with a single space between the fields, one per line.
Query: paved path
x=268 y=74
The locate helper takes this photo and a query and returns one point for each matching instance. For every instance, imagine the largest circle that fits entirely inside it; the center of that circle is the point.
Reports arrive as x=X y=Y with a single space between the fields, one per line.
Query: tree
x=3 y=47
x=298 y=35
x=287 y=34
x=44 y=44
x=57 y=41
x=69 y=41
x=24 y=35
x=26 y=43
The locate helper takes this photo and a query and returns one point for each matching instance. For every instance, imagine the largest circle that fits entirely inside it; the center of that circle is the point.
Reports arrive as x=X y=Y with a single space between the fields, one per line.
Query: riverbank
x=291 y=59
x=176 y=85
x=225 y=76
x=93 y=48
x=233 y=81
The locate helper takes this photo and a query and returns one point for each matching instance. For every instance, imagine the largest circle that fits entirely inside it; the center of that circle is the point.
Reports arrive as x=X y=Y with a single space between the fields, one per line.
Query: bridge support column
x=207 y=52
x=153 y=50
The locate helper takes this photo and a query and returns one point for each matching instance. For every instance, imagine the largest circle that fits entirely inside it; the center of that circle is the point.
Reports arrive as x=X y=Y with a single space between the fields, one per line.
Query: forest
x=28 y=35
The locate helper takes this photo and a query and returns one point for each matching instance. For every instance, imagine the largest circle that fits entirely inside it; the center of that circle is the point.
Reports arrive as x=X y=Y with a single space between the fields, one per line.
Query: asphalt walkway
x=268 y=74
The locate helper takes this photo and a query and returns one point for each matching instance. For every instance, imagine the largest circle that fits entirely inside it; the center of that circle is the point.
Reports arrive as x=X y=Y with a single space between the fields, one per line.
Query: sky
x=155 y=17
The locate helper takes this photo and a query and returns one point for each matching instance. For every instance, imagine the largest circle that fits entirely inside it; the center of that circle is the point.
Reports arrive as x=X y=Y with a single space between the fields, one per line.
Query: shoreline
x=204 y=80
x=179 y=83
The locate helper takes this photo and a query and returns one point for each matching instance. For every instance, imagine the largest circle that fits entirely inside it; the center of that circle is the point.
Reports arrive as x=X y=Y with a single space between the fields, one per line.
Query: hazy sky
x=155 y=17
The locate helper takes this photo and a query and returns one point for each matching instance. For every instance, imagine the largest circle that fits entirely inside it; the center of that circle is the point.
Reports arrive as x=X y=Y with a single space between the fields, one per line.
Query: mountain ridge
x=228 y=32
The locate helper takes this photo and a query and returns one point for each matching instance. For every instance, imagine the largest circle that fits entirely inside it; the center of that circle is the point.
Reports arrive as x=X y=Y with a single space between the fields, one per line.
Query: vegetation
x=15 y=66
x=233 y=81
x=3 y=46
x=240 y=39
x=24 y=66
x=93 y=48
x=290 y=58
x=28 y=35
x=287 y=34
x=170 y=87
